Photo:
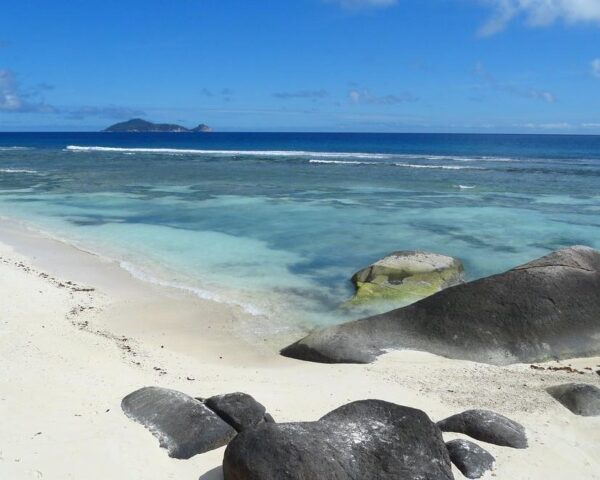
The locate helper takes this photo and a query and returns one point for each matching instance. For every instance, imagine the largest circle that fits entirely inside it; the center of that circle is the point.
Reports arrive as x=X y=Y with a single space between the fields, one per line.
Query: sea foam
x=258 y=153
x=440 y=167
x=199 y=292
x=457 y=158
x=341 y=162
x=18 y=170
x=318 y=157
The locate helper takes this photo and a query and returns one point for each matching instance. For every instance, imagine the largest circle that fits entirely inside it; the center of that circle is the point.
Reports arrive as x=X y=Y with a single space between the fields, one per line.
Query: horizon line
x=323 y=132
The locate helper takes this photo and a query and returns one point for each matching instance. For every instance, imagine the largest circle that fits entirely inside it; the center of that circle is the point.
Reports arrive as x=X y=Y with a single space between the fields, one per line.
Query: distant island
x=139 y=125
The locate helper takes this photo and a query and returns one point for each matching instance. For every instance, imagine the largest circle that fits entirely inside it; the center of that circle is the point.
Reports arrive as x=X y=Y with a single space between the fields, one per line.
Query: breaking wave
x=18 y=170
x=438 y=167
x=199 y=292
x=341 y=162
x=232 y=153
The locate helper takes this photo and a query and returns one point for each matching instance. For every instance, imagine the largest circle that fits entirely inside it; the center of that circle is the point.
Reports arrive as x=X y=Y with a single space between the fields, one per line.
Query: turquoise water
x=277 y=223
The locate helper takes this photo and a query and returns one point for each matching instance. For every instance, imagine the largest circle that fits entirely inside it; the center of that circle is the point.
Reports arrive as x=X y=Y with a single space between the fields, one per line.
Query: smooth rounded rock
x=581 y=398
x=183 y=425
x=546 y=309
x=370 y=439
x=472 y=460
x=487 y=426
x=269 y=418
x=239 y=410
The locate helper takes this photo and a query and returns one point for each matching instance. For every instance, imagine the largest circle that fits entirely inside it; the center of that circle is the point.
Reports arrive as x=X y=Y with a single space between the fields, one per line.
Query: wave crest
x=18 y=170
x=438 y=167
x=341 y=162
x=232 y=153
x=199 y=292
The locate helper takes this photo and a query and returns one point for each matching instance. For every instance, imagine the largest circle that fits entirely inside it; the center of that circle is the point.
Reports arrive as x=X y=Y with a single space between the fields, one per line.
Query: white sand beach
x=78 y=333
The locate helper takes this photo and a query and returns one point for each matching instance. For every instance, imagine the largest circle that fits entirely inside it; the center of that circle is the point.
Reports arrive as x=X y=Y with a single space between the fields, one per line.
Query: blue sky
x=303 y=65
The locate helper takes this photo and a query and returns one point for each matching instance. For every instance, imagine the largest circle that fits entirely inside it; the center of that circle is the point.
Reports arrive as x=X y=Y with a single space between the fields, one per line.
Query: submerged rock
x=366 y=439
x=406 y=277
x=546 y=309
x=580 y=398
x=472 y=460
x=487 y=426
x=182 y=424
x=239 y=410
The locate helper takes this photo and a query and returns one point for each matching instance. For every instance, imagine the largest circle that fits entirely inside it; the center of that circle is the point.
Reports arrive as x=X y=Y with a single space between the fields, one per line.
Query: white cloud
x=112 y=111
x=514 y=90
x=595 y=65
x=546 y=126
x=354 y=96
x=364 y=96
x=14 y=99
x=9 y=99
x=558 y=126
x=314 y=94
x=541 y=12
x=358 y=4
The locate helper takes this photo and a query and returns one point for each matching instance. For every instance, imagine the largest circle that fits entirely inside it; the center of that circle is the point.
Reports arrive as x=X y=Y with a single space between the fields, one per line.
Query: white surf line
x=341 y=162
x=439 y=167
x=274 y=153
x=17 y=170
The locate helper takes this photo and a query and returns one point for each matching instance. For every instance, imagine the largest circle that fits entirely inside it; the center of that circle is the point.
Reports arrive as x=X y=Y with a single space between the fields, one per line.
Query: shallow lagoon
x=279 y=223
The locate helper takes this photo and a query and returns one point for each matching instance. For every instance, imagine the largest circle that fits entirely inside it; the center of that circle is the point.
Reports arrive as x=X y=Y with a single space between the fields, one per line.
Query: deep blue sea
x=277 y=223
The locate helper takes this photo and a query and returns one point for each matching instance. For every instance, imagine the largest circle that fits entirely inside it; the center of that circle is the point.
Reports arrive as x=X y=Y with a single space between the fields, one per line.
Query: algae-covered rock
x=406 y=277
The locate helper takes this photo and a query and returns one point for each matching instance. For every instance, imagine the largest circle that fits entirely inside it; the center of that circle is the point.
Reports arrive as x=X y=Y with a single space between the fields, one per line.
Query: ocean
x=276 y=223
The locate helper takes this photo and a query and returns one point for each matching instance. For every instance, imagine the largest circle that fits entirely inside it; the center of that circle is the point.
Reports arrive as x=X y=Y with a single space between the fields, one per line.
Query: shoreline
x=257 y=310
x=175 y=309
x=12 y=227
x=79 y=333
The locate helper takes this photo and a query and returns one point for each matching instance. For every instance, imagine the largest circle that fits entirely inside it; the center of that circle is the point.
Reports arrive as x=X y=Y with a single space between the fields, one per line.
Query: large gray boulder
x=182 y=424
x=369 y=439
x=546 y=309
x=487 y=426
x=239 y=410
x=472 y=460
x=580 y=398
x=405 y=277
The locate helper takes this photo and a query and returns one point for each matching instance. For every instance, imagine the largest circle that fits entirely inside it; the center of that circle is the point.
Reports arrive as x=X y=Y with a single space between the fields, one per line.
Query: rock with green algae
x=406 y=277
